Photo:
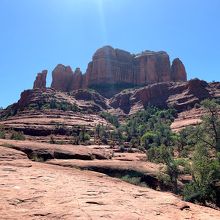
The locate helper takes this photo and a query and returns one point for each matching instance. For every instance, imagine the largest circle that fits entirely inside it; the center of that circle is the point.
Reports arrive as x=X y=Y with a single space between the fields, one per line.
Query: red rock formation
x=178 y=72
x=40 y=81
x=110 y=66
x=77 y=81
x=153 y=67
x=62 y=78
x=119 y=68
x=180 y=95
x=115 y=66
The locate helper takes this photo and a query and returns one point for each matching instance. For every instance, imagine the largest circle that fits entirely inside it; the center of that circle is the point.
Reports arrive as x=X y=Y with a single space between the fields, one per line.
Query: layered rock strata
x=119 y=69
x=40 y=81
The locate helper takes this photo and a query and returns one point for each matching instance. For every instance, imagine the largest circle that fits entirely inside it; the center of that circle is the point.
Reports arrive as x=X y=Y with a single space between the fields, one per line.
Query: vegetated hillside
x=190 y=157
x=193 y=152
x=138 y=121
x=42 y=113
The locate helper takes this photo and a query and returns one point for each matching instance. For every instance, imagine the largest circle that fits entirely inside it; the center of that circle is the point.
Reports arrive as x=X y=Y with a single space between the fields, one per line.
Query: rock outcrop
x=62 y=78
x=112 y=70
x=77 y=80
x=32 y=190
x=179 y=95
x=178 y=72
x=114 y=66
x=40 y=81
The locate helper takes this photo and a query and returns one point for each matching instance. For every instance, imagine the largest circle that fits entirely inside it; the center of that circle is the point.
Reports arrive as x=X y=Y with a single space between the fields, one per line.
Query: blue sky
x=39 y=34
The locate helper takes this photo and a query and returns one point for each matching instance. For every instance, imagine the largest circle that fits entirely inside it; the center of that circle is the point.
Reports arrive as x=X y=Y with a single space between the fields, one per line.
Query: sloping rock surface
x=31 y=190
x=52 y=151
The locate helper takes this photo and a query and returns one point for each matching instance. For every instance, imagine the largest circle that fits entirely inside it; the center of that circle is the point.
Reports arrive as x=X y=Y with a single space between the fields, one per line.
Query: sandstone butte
x=118 y=68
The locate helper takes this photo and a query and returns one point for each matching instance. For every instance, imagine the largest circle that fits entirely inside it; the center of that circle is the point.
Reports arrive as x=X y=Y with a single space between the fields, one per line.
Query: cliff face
x=179 y=95
x=119 y=69
x=114 y=66
x=178 y=72
x=40 y=81
x=64 y=79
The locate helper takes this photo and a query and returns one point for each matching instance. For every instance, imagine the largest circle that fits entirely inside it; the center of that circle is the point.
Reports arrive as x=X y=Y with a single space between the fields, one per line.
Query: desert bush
x=84 y=135
x=164 y=155
x=64 y=106
x=17 y=136
x=52 y=140
x=185 y=164
x=132 y=179
x=2 y=134
x=205 y=171
x=110 y=118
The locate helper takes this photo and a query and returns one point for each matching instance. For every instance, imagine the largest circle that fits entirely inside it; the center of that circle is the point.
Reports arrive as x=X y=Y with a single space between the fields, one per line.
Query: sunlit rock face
x=117 y=66
x=152 y=67
x=112 y=70
x=40 y=81
x=77 y=80
x=62 y=78
x=178 y=72
x=110 y=66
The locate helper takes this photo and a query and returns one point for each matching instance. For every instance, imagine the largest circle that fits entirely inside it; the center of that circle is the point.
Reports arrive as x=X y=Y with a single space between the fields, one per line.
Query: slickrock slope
x=187 y=118
x=31 y=190
x=54 y=151
x=42 y=125
x=41 y=115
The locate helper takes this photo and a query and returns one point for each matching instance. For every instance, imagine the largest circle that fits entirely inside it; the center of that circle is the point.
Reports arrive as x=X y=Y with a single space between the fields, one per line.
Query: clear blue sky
x=38 y=34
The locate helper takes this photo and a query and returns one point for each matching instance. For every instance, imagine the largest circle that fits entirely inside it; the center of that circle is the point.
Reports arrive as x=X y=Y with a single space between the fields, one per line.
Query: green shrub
x=87 y=137
x=110 y=118
x=205 y=172
x=84 y=136
x=2 y=134
x=52 y=140
x=164 y=155
x=185 y=164
x=149 y=139
x=64 y=106
x=131 y=179
x=17 y=136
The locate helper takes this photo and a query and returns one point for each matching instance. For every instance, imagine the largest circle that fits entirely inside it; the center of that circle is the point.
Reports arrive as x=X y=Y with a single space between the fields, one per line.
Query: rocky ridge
x=42 y=113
